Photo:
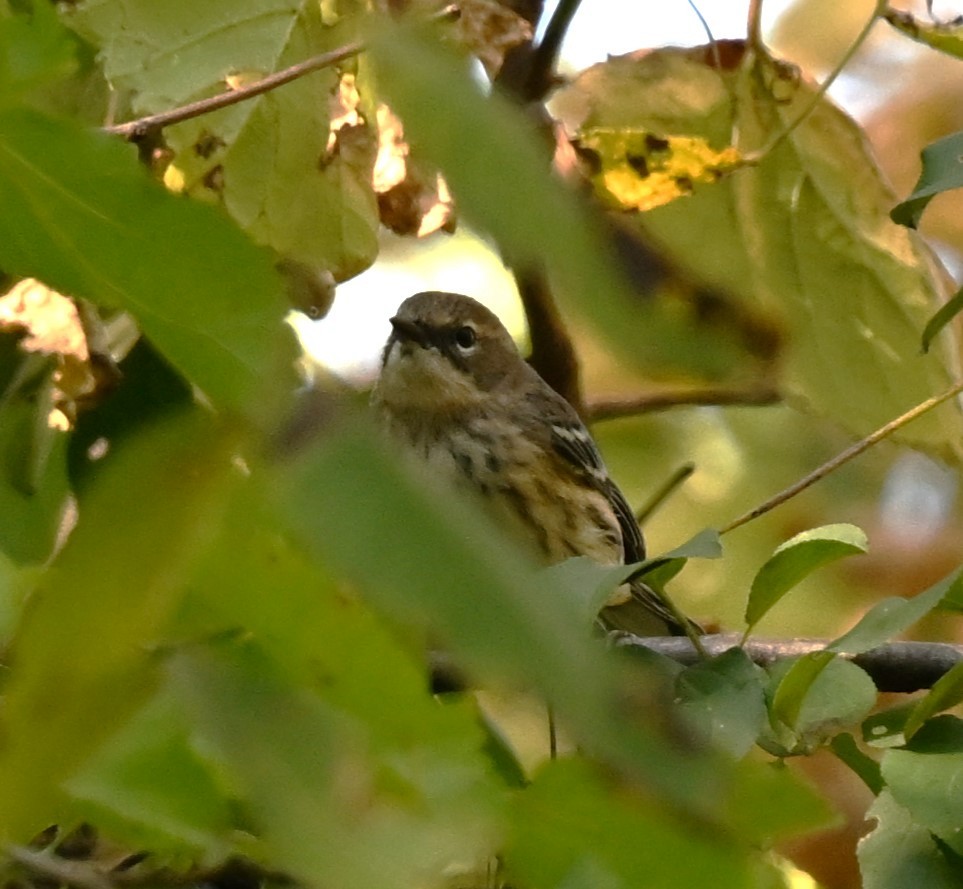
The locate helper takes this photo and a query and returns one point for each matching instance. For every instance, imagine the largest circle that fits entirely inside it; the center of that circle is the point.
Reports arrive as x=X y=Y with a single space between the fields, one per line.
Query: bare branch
x=847 y=455
x=893 y=667
x=598 y=409
x=135 y=130
x=553 y=353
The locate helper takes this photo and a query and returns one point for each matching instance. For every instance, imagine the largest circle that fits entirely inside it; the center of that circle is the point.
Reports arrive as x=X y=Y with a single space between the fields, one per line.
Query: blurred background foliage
x=216 y=590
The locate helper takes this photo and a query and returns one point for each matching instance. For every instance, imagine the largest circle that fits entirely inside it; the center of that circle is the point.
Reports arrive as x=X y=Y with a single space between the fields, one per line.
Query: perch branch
x=894 y=667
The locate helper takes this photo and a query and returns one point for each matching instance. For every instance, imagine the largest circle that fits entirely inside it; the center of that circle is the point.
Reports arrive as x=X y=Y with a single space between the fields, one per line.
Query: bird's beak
x=406 y=330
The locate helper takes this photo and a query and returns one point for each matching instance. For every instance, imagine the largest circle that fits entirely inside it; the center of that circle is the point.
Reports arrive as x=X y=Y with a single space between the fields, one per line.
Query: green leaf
x=946 y=692
x=594 y=583
x=795 y=683
x=83 y=652
x=81 y=215
x=790 y=234
x=847 y=751
x=723 y=699
x=149 y=388
x=266 y=158
x=925 y=778
x=953 y=598
x=705 y=545
x=324 y=807
x=357 y=662
x=885 y=729
x=15 y=585
x=35 y=50
x=891 y=617
x=817 y=696
x=493 y=160
x=148 y=785
x=795 y=560
x=33 y=471
x=771 y=803
x=569 y=829
x=942 y=171
x=943 y=316
x=947 y=37
x=900 y=852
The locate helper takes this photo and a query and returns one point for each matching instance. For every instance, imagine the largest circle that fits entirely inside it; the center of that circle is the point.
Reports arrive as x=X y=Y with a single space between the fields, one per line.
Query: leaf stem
x=845 y=456
x=755 y=42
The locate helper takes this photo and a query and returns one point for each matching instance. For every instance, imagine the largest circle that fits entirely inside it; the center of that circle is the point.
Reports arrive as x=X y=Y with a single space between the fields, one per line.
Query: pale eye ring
x=465 y=338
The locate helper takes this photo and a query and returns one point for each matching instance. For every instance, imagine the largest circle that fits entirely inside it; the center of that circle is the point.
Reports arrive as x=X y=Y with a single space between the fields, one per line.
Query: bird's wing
x=572 y=441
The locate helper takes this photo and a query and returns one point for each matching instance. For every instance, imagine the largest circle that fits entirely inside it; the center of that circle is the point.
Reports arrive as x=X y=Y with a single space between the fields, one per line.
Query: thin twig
x=713 y=46
x=135 y=130
x=664 y=492
x=757 y=156
x=845 y=456
x=598 y=409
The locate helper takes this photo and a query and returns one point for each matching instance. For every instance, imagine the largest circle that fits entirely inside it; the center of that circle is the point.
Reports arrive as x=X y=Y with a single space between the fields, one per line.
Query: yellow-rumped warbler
x=455 y=389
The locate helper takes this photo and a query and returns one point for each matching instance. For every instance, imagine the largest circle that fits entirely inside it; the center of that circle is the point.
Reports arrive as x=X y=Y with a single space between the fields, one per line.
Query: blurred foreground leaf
x=83 y=650
x=489 y=155
x=83 y=217
x=568 y=830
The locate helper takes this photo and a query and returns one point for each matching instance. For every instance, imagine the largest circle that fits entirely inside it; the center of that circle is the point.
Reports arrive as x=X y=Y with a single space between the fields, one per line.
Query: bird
x=456 y=394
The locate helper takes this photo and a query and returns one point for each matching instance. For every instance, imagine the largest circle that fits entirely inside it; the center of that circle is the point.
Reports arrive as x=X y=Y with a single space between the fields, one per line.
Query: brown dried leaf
x=410 y=202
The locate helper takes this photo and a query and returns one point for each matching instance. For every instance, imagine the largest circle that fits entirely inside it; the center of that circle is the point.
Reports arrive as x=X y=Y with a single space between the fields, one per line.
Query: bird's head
x=445 y=352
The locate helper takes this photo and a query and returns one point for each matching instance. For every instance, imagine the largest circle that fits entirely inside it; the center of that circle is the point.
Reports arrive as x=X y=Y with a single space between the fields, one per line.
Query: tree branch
x=136 y=130
x=540 y=74
x=894 y=667
x=597 y=409
x=553 y=353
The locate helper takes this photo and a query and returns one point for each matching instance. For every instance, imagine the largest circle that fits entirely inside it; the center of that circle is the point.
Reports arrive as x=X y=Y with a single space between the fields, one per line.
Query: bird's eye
x=465 y=337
